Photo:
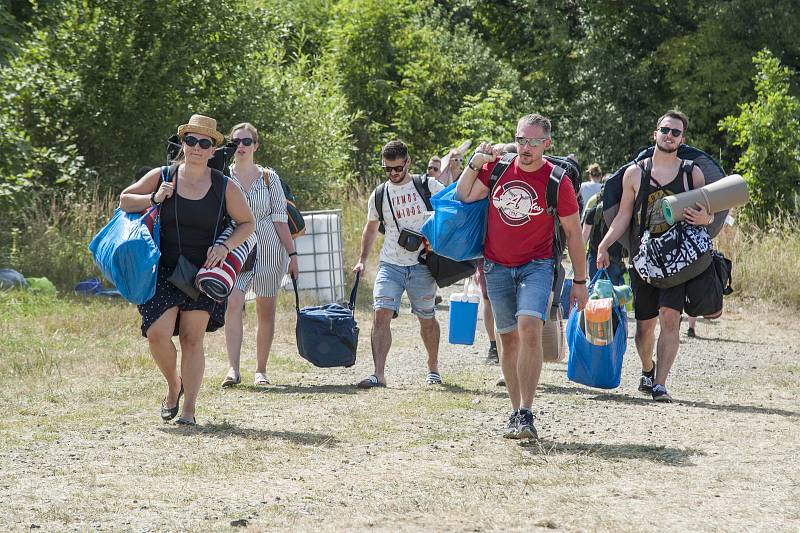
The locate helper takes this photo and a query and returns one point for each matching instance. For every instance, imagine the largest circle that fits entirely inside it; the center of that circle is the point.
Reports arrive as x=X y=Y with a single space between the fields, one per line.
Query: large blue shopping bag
x=590 y=364
x=127 y=253
x=456 y=229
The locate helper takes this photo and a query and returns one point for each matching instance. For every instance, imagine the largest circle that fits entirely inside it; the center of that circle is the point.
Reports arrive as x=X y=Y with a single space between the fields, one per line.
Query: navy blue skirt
x=168 y=296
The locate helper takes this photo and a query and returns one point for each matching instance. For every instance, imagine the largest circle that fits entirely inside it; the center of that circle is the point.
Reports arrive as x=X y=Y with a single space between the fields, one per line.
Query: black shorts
x=168 y=296
x=699 y=296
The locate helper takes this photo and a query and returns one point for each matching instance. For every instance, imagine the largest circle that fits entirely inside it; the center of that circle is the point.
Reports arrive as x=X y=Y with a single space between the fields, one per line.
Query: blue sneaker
x=511 y=428
x=660 y=394
x=526 y=429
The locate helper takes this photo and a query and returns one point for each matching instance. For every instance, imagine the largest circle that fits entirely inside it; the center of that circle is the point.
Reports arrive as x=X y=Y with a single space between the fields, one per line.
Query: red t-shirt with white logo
x=519 y=228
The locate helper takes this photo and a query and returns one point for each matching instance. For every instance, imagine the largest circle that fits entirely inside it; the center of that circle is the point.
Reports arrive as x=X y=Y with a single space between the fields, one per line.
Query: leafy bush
x=768 y=130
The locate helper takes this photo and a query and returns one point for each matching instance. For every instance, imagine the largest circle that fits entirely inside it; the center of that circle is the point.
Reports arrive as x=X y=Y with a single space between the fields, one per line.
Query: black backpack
x=562 y=166
x=420 y=184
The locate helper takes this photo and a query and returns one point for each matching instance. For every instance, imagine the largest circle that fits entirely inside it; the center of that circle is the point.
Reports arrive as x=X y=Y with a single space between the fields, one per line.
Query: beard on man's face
x=668 y=149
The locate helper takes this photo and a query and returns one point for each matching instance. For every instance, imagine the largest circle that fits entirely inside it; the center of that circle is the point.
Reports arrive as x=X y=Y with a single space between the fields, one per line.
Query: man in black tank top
x=667 y=175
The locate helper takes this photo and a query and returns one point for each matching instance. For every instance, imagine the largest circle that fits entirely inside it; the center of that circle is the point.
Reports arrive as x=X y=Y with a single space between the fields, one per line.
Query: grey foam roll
x=725 y=193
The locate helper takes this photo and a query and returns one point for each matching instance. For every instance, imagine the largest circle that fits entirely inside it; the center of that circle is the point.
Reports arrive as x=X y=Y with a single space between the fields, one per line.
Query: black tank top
x=200 y=224
x=657 y=224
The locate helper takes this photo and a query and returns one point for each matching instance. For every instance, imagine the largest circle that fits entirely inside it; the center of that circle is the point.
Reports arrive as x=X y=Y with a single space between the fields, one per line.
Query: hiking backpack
x=612 y=193
x=420 y=184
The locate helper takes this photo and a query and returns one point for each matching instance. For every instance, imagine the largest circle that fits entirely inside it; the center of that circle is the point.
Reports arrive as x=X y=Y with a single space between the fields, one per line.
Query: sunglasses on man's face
x=191 y=141
x=665 y=130
x=396 y=168
x=246 y=141
x=533 y=142
x=433 y=169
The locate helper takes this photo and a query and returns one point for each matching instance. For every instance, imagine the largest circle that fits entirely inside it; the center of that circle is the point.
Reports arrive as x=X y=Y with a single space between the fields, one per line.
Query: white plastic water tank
x=319 y=256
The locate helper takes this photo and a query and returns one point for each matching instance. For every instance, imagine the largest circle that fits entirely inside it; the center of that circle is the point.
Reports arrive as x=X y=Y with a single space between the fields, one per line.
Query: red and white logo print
x=516 y=202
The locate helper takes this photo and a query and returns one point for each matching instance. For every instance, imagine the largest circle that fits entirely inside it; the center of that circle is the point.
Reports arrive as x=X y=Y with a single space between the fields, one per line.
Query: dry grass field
x=82 y=446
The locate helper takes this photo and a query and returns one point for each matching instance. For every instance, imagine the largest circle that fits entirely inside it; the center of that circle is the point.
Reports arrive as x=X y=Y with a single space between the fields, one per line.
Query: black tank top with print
x=199 y=224
x=682 y=182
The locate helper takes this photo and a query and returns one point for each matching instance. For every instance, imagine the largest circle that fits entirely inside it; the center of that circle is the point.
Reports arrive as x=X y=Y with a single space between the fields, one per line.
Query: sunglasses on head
x=192 y=141
x=246 y=141
x=665 y=130
x=533 y=142
x=396 y=168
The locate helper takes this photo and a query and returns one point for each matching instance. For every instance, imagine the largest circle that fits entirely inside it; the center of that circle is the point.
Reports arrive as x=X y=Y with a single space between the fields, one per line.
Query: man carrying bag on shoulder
x=519 y=265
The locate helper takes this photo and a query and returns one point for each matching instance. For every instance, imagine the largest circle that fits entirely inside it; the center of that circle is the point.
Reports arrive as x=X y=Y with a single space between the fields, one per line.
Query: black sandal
x=168 y=414
x=186 y=422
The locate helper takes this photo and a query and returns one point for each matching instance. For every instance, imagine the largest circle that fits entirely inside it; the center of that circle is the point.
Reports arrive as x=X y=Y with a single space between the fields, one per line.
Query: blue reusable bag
x=128 y=255
x=592 y=365
x=456 y=229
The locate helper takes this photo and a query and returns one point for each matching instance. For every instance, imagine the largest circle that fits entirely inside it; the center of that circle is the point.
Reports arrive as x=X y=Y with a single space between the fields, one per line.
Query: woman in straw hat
x=275 y=254
x=192 y=203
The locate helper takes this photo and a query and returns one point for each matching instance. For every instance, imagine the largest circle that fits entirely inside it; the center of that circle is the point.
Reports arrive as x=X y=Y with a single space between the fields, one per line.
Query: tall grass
x=764 y=261
x=50 y=238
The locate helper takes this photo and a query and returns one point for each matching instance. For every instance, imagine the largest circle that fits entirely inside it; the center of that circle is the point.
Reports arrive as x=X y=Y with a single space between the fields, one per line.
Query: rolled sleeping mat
x=217 y=283
x=730 y=191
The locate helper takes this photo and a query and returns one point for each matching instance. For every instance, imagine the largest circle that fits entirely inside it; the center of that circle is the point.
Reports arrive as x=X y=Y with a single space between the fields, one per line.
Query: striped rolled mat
x=218 y=282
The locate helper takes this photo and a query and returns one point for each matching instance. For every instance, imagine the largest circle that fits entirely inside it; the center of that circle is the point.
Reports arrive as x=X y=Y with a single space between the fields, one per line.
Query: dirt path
x=83 y=448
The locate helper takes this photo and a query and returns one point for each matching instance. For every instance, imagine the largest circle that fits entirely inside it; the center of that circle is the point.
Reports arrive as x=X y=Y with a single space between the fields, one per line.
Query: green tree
x=768 y=132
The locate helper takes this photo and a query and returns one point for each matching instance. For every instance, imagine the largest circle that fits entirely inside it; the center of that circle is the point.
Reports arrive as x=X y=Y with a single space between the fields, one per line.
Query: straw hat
x=204 y=126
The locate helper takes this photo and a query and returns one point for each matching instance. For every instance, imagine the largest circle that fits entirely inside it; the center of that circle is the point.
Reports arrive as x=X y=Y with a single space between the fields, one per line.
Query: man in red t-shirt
x=519 y=257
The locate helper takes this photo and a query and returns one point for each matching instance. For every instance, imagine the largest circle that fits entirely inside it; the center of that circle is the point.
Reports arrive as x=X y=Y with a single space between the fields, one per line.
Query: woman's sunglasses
x=665 y=130
x=191 y=141
x=246 y=141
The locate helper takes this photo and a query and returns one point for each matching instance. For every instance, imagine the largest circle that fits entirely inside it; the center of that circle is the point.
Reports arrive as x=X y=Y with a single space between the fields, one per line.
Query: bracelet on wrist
x=153 y=198
x=470 y=165
x=291 y=254
x=225 y=246
x=579 y=282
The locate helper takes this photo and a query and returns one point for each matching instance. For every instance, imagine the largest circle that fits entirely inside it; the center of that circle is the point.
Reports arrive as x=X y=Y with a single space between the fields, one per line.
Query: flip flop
x=370 y=382
x=260 y=379
x=230 y=381
x=433 y=378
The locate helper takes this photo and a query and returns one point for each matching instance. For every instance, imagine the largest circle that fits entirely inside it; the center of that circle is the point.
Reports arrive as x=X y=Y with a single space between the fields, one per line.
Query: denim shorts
x=416 y=280
x=523 y=290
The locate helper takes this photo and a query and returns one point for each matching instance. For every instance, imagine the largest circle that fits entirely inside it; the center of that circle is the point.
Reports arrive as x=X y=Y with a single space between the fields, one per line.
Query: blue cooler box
x=463 y=318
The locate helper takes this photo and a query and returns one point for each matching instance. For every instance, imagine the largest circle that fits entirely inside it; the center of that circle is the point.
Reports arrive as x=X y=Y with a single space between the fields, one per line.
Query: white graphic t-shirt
x=410 y=211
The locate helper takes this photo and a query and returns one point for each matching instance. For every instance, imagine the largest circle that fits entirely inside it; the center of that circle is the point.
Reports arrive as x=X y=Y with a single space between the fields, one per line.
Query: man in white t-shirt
x=403 y=211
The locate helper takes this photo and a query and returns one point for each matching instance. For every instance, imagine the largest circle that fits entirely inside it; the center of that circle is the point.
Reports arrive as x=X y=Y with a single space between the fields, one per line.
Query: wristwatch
x=469 y=164
x=579 y=282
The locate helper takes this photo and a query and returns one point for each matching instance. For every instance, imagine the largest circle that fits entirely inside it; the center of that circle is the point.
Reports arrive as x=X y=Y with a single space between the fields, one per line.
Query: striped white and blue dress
x=268 y=204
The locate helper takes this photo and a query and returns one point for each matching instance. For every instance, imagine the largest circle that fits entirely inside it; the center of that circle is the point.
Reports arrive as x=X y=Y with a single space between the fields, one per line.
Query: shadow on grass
x=642 y=400
x=300 y=389
x=498 y=392
x=730 y=341
x=226 y=429
x=657 y=454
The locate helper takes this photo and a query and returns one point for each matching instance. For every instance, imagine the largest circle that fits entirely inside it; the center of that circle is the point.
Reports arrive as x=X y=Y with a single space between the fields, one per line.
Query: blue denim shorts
x=523 y=290
x=415 y=280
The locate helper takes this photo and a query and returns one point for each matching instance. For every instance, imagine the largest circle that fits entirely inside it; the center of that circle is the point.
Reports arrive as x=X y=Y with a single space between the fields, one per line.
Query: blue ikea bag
x=128 y=254
x=327 y=335
x=456 y=229
x=592 y=365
